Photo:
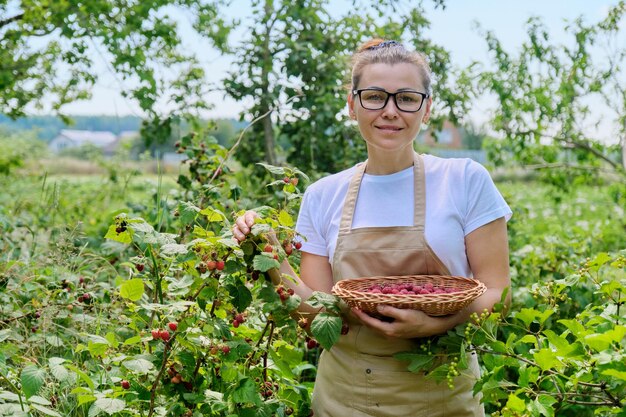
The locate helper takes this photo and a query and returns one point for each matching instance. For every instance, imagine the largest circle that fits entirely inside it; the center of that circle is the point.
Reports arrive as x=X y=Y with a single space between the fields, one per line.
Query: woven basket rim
x=434 y=303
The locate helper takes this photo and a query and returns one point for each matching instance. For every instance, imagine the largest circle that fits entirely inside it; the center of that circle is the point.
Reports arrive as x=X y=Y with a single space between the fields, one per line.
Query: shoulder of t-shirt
x=452 y=166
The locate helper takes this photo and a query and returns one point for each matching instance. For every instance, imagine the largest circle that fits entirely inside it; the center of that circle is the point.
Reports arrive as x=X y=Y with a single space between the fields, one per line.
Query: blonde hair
x=377 y=51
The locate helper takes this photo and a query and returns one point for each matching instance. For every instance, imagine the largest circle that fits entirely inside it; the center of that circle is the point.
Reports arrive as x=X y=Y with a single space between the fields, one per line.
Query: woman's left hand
x=407 y=323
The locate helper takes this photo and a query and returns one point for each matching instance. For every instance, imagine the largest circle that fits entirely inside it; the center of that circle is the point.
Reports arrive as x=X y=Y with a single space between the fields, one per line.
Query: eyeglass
x=376 y=99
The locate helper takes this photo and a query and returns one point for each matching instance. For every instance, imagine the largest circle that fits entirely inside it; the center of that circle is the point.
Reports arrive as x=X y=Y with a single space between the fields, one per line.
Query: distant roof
x=87 y=136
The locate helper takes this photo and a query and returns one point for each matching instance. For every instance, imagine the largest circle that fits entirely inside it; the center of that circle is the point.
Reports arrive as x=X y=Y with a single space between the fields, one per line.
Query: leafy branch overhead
x=49 y=49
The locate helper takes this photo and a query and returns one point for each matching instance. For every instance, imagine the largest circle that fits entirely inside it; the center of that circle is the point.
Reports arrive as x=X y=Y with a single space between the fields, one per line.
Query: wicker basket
x=355 y=292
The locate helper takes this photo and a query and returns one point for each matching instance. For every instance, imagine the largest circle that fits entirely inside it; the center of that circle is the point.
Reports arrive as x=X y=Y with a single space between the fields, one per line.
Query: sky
x=454 y=28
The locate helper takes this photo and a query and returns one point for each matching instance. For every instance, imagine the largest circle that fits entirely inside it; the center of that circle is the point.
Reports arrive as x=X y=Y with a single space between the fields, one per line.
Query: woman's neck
x=388 y=163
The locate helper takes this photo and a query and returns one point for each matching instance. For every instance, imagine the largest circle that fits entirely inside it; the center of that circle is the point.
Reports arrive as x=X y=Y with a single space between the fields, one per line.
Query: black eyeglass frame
x=395 y=101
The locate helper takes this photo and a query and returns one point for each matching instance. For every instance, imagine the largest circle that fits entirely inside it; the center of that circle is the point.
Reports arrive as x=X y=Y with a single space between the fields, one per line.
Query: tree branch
x=11 y=19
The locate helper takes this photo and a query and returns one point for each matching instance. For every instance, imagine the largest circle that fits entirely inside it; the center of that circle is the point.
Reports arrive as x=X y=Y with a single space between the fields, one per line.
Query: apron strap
x=419 y=190
x=347 y=213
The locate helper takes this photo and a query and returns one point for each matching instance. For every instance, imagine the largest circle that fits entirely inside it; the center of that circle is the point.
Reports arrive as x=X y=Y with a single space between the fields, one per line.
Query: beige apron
x=359 y=377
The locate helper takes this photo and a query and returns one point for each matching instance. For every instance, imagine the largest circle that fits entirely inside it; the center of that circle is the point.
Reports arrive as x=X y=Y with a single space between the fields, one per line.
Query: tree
x=547 y=93
x=42 y=40
x=298 y=52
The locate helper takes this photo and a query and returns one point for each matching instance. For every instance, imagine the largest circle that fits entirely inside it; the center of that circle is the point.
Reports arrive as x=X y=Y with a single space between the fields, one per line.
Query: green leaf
x=285 y=219
x=603 y=341
x=528 y=375
x=45 y=410
x=174 y=249
x=515 y=403
x=97 y=349
x=54 y=340
x=615 y=373
x=36 y=399
x=575 y=327
x=139 y=365
x=542 y=406
x=123 y=237
x=58 y=370
x=326 y=329
x=546 y=359
x=324 y=300
x=418 y=362
x=107 y=405
x=241 y=296
x=246 y=392
x=273 y=169
x=526 y=315
x=187 y=212
x=264 y=263
x=213 y=215
x=557 y=341
x=32 y=379
x=133 y=340
x=132 y=289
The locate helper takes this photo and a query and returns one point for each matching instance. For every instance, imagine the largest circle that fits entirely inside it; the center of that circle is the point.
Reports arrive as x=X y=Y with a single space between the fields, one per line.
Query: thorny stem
x=252 y=123
x=17 y=390
x=155 y=385
x=267 y=349
x=601 y=386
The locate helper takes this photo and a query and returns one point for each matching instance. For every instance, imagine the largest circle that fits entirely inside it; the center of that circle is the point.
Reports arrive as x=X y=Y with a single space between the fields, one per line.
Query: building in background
x=106 y=141
x=453 y=142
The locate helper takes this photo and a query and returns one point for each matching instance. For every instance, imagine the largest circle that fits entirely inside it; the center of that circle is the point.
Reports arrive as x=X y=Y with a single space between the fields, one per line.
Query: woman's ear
x=429 y=105
x=351 y=105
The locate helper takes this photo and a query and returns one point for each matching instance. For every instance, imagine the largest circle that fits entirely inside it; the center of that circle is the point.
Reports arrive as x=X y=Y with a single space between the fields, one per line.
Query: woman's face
x=389 y=129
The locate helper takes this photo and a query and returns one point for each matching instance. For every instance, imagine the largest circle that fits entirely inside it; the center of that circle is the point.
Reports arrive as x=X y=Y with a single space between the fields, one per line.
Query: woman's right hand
x=243 y=224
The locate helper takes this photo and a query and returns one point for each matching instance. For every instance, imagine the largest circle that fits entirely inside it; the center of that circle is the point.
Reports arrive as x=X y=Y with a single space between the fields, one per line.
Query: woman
x=398 y=213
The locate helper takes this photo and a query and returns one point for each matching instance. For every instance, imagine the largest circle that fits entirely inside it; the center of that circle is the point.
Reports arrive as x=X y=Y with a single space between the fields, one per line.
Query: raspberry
x=298 y=245
x=172 y=325
x=156 y=334
x=125 y=384
x=165 y=335
x=219 y=265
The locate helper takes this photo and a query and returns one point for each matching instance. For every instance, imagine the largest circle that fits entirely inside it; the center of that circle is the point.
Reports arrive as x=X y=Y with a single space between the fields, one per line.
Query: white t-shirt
x=460 y=197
